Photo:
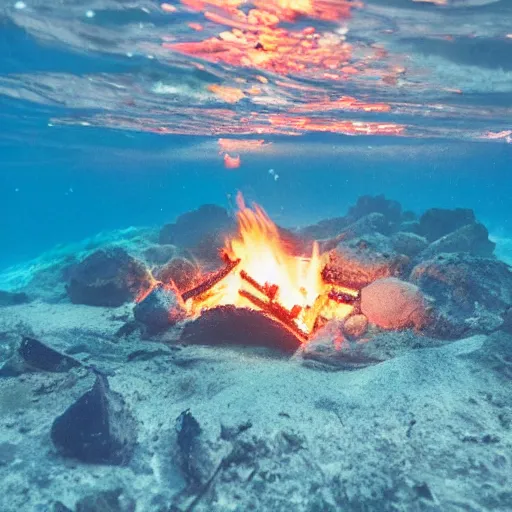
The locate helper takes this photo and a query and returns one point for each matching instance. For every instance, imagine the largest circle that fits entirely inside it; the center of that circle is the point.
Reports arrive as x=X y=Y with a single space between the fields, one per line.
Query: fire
x=264 y=275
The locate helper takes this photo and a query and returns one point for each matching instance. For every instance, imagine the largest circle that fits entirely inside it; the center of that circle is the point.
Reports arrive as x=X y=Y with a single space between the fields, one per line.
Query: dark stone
x=42 y=357
x=12 y=298
x=180 y=271
x=496 y=354
x=368 y=225
x=188 y=432
x=202 y=231
x=161 y=309
x=108 y=277
x=471 y=293
x=98 y=428
x=32 y=355
x=473 y=239
x=365 y=205
x=437 y=222
x=409 y=244
x=228 y=325
x=106 y=501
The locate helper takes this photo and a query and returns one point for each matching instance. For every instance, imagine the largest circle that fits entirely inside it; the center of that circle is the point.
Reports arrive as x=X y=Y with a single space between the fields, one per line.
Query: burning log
x=275 y=310
x=211 y=280
x=269 y=291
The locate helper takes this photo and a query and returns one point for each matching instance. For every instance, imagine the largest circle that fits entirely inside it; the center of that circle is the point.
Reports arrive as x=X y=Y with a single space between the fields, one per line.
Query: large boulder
x=394 y=304
x=437 y=222
x=202 y=231
x=472 y=238
x=366 y=205
x=108 y=277
x=471 y=294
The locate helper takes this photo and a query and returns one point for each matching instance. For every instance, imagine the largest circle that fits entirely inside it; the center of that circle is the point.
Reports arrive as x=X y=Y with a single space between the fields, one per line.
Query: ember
x=261 y=274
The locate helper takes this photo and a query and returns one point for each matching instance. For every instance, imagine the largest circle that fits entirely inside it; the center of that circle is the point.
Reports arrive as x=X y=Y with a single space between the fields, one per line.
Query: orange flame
x=264 y=257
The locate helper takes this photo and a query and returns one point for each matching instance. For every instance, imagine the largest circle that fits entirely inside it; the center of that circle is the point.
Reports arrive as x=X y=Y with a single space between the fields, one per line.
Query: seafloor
x=426 y=429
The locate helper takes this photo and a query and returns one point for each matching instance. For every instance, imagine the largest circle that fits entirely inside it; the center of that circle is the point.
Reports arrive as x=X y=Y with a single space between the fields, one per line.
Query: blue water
x=77 y=156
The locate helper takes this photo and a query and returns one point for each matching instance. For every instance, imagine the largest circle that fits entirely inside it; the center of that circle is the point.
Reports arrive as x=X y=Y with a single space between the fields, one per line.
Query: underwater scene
x=255 y=256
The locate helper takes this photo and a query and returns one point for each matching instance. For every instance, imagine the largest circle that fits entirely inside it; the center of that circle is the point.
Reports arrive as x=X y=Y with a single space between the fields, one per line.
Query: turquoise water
x=111 y=118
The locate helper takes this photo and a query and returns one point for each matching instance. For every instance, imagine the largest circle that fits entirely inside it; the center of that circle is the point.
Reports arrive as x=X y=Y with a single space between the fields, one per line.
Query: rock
x=98 y=428
x=12 y=298
x=367 y=225
x=409 y=244
x=160 y=254
x=202 y=231
x=106 y=501
x=160 y=309
x=437 y=222
x=329 y=350
x=465 y=288
x=325 y=228
x=33 y=355
x=365 y=205
x=410 y=227
x=393 y=304
x=183 y=273
x=108 y=277
x=228 y=325
x=188 y=431
x=42 y=357
x=472 y=238
x=355 y=326
x=359 y=263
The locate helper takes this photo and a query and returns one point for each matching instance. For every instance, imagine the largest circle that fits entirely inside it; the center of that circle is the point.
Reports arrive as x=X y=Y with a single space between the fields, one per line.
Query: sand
x=428 y=430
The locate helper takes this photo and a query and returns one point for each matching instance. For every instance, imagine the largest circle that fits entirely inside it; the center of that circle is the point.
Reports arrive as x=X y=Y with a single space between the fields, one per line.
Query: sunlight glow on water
x=274 y=67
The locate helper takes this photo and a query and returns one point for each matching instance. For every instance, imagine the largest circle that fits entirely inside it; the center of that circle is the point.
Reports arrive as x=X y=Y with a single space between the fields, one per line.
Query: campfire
x=261 y=273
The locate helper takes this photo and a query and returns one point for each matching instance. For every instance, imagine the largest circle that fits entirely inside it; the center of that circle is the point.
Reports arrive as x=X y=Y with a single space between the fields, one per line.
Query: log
x=211 y=280
x=278 y=312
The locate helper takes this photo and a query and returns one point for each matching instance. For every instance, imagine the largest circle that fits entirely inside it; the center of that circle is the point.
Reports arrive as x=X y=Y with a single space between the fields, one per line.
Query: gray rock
x=161 y=309
x=108 y=277
x=202 y=231
x=409 y=244
x=437 y=222
x=369 y=224
x=34 y=355
x=12 y=298
x=467 y=290
x=366 y=205
x=472 y=238
x=98 y=428
x=410 y=226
